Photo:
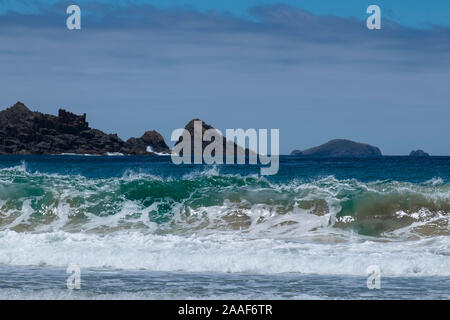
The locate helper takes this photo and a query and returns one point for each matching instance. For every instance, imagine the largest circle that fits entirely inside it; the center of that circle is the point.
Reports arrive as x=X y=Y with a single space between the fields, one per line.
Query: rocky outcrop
x=26 y=132
x=340 y=148
x=227 y=145
x=418 y=153
x=151 y=141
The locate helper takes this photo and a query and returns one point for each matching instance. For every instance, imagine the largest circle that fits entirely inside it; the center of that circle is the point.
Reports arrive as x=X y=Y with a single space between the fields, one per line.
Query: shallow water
x=50 y=283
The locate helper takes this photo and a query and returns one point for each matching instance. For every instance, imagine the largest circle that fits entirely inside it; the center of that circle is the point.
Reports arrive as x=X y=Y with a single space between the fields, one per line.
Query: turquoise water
x=135 y=224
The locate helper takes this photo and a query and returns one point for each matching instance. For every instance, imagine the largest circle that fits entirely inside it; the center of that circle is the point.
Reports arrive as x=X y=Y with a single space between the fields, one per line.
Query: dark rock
x=151 y=141
x=154 y=140
x=340 y=148
x=296 y=152
x=418 y=153
x=204 y=126
x=26 y=132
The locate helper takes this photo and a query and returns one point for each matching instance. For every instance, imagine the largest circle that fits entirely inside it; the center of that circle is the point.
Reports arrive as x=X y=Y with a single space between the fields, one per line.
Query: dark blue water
x=407 y=169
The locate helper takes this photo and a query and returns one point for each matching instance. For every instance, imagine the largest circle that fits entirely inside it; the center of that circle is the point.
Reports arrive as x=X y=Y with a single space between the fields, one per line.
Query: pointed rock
x=227 y=145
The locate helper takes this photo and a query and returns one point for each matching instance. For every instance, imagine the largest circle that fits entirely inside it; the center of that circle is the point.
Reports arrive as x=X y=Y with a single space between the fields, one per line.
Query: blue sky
x=309 y=68
x=412 y=13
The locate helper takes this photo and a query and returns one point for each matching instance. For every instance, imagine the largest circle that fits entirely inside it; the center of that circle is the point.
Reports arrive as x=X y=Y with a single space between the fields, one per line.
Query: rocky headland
x=23 y=131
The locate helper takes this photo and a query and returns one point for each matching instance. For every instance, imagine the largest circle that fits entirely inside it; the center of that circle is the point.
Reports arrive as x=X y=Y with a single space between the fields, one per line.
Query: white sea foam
x=114 y=154
x=434 y=181
x=201 y=236
x=79 y=154
x=64 y=294
x=226 y=253
x=150 y=149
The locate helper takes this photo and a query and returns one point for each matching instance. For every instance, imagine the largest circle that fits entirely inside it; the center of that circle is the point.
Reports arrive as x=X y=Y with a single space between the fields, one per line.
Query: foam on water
x=150 y=149
x=64 y=294
x=225 y=253
x=206 y=201
x=207 y=221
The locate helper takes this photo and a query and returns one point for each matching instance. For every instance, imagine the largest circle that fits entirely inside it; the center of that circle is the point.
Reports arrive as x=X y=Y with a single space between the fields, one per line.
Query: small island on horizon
x=418 y=153
x=340 y=148
x=23 y=131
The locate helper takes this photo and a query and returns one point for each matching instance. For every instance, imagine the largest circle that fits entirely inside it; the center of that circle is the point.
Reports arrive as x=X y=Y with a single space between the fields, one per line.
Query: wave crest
x=207 y=202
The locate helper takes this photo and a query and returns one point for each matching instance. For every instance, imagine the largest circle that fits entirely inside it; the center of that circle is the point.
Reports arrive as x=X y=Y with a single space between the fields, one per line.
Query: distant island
x=26 y=132
x=418 y=153
x=340 y=148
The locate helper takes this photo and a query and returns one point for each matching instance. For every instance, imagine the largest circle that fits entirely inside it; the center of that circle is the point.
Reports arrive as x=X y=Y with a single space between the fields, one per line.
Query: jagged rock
x=26 y=132
x=151 y=141
x=418 y=153
x=204 y=126
x=340 y=148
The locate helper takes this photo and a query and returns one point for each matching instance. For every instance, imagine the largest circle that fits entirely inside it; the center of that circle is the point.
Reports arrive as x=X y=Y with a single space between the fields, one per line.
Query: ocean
x=140 y=227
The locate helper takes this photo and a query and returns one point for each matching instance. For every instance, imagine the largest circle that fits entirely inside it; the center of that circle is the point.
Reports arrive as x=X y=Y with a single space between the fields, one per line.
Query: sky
x=309 y=68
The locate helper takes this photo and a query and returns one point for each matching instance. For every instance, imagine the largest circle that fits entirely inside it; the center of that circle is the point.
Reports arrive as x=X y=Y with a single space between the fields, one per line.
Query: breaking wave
x=207 y=202
x=208 y=221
